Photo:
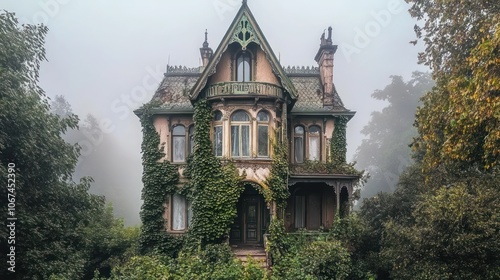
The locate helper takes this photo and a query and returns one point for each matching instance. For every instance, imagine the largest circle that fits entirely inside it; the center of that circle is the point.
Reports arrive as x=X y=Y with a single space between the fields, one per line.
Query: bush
x=142 y=267
x=326 y=260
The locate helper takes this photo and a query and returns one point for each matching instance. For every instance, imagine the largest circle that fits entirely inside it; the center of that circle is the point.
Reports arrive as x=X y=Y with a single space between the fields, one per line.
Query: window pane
x=262 y=117
x=179 y=148
x=245 y=140
x=263 y=140
x=179 y=130
x=299 y=130
x=314 y=148
x=299 y=149
x=240 y=116
x=300 y=211
x=178 y=212
x=217 y=116
x=218 y=141
x=243 y=68
x=235 y=141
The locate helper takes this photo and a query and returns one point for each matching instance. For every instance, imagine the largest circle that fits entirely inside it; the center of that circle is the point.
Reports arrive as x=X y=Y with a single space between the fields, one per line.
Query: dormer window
x=243 y=67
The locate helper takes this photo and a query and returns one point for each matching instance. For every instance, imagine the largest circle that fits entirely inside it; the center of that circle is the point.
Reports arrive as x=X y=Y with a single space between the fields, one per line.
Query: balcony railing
x=244 y=88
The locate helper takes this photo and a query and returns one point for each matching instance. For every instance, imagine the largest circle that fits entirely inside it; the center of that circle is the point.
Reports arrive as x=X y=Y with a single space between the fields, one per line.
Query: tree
x=54 y=215
x=386 y=152
x=459 y=121
x=454 y=234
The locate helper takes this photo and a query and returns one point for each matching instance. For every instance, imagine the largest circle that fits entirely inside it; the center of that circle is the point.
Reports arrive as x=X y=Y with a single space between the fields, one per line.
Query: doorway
x=252 y=218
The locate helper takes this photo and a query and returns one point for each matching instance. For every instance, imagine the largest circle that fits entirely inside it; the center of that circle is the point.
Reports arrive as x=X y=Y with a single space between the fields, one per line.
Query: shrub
x=326 y=260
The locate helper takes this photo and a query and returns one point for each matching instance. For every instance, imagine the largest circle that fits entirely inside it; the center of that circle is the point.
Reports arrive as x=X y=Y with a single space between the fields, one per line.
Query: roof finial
x=244 y=2
x=329 y=40
x=205 y=44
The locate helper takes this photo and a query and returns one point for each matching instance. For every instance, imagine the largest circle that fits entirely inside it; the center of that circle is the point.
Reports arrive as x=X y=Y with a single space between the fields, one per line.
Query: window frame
x=302 y=147
x=184 y=137
x=188 y=214
x=311 y=136
x=263 y=123
x=245 y=54
x=218 y=125
x=240 y=125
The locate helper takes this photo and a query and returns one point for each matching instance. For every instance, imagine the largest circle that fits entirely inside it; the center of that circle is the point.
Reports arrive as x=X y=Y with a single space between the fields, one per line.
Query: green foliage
x=214 y=187
x=455 y=233
x=277 y=182
x=142 y=267
x=338 y=144
x=459 y=122
x=386 y=151
x=159 y=178
x=326 y=260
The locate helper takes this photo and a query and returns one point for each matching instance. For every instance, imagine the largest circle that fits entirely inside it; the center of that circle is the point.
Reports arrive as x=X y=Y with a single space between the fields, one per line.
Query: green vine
x=277 y=183
x=160 y=179
x=338 y=145
x=214 y=187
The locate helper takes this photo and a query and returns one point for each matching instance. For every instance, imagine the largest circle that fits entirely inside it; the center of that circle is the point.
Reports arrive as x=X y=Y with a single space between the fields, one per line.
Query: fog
x=107 y=58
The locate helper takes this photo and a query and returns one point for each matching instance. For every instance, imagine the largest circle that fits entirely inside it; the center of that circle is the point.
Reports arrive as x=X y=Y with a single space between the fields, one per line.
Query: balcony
x=244 y=88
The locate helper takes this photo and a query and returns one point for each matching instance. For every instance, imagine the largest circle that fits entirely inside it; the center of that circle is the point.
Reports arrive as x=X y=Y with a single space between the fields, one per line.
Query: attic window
x=243 y=67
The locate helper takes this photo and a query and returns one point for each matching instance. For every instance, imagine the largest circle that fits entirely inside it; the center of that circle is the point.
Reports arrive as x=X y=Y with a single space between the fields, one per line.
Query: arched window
x=179 y=144
x=218 y=133
x=191 y=139
x=243 y=67
x=314 y=142
x=240 y=134
x=263 y=134
x=298 y=144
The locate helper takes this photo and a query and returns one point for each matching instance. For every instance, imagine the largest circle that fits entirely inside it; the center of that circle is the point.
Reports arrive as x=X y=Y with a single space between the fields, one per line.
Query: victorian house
x=252 y=96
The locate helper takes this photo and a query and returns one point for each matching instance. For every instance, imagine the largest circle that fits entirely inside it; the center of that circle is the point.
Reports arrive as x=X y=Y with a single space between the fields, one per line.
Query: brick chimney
x=324 y=57
x=206 y=52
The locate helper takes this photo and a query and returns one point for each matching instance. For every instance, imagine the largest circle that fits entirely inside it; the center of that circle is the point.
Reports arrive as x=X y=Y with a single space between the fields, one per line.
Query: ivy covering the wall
x=338 y=144
x=160 y=179
x=214 y=187
x=277 y=183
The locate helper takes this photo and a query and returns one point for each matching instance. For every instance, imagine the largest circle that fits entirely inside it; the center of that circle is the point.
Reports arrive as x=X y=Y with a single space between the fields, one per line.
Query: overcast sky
x=107 y=58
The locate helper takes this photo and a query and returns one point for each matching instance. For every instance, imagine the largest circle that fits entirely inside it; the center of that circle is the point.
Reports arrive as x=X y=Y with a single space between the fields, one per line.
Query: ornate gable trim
x=244 y=30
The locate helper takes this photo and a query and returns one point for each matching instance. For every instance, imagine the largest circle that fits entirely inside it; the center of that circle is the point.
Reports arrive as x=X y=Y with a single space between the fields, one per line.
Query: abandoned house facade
x=252 y=96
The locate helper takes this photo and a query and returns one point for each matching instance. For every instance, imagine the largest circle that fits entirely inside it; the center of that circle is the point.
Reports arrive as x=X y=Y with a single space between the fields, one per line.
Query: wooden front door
x=249 y=225
x=251 y=218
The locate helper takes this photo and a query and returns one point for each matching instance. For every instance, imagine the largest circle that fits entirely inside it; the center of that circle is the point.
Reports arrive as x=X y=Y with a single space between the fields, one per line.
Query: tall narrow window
x=218 y=133
x=243 y=68
x=298 y=144
x=263 y=134
x=191 y=139
x=240 y=134
x=178 y=212
x=314 y=143
x=179 y=144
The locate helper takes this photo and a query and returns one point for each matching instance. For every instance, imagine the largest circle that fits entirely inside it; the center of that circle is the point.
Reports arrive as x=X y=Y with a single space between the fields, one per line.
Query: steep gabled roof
x=256 y=36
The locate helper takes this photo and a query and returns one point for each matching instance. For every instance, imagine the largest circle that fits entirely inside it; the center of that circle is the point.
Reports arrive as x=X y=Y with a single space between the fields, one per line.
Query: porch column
x=337 y=194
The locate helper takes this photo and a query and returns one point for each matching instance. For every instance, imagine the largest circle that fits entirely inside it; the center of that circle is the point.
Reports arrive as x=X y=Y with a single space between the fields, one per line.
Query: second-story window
x=298 y=144
x=179 y=144
x=314 y=142
x=218 y=133
x=243 y=67
x=240 y=134
x=262 y=134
